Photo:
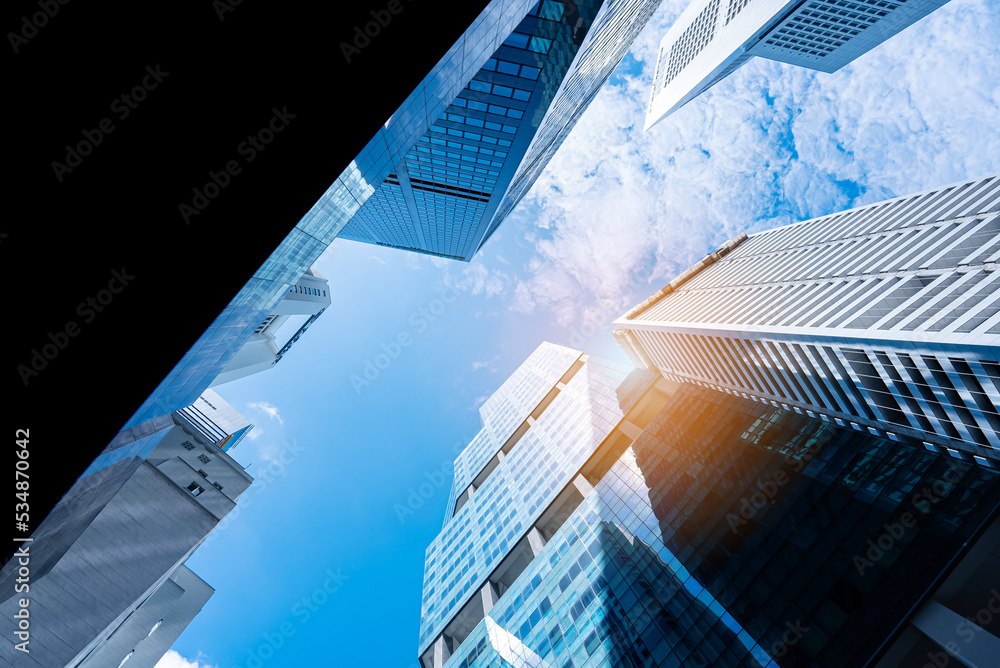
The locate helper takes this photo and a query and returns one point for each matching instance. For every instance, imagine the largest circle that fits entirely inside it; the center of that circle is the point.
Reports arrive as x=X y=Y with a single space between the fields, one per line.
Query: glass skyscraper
x=476 y=156
x=446 y=168
x=885 y=317
x=713 y=38
x=626 y=521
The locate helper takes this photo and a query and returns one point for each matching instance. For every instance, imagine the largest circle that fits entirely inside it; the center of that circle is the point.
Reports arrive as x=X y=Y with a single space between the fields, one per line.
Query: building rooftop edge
x=709 y=259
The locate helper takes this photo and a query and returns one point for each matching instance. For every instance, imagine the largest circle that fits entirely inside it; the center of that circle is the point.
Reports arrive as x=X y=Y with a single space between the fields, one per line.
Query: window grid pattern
x=913 y=281
x=460 y=169
x=694 y=38
x=650 y=570
x=508 y=407
x=605 y=40
x=735 y=7
x=512 y=498
x=822 y=26
x=945 y=398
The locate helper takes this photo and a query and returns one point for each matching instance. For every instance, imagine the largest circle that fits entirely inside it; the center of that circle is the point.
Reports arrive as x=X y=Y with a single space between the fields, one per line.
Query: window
x=127 y=657
x=517 y=40
x=202 y=473
x=204 y=459
x=195 y=489
x=188 y=445
x=507 y=68
x=217 y=486
x=155 y=626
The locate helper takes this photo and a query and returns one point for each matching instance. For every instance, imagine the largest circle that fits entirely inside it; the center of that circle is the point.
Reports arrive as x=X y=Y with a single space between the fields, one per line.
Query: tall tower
x=604 y=518
x=886 y=317
x=510 y=102
x=108 y=581
x=442 y=173
x=713 y=38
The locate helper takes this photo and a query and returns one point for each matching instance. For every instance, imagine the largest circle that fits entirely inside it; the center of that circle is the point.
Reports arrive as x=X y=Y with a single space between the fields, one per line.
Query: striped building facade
x=885 y=317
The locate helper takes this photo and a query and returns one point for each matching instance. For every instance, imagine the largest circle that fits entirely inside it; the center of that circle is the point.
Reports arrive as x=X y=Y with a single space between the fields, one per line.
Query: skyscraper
x=214 y=419
x=713 y=38
x=445 y=169
x=613 y=519
x=508 y=103
x=107 y=580
x=886 y=317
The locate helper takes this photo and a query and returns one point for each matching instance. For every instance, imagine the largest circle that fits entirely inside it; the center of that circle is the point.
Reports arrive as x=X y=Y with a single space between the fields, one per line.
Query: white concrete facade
x=886 y=316
x=310 y=296
x=712 y=38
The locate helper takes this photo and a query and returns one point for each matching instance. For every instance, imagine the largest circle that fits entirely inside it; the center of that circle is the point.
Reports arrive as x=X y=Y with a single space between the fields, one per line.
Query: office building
x=614 y=519
x=251 y=334
x=215 y=420
x=308 y=298
x=475 y=133
x=713 y=38
x=885 y=317
x=510 y=104
x=107 y=580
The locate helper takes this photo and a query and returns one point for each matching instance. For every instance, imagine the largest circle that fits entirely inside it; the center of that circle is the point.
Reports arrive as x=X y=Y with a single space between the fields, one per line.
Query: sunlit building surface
x=886 y=317
x=618 y=520
x=713 y=38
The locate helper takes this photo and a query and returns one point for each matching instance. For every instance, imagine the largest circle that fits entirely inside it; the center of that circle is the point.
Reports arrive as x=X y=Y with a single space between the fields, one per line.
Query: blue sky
x=616 y=215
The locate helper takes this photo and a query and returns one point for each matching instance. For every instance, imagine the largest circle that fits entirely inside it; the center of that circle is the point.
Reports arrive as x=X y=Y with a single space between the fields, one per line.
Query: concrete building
x=263 y=349
x=885 y=317
x=713 y=38
x=215 y=420
x=607 y=518
x=107 y=581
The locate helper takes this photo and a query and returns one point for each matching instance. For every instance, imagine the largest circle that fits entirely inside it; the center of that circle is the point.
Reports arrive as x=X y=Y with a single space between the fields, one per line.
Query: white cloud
x=771 y=144
x=477 y=279
x=476 y=366
x=376 y=258
x=174 y=660
x=268 y=409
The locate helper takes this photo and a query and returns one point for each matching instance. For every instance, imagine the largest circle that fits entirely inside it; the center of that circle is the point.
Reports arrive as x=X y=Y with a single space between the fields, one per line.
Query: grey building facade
x=110 y=555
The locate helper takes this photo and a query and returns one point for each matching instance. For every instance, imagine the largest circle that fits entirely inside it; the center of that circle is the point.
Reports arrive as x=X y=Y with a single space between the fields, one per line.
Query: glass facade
x=507 y=90
x=484 y=149
x=544 y=460
x=728 y=532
